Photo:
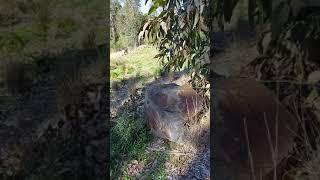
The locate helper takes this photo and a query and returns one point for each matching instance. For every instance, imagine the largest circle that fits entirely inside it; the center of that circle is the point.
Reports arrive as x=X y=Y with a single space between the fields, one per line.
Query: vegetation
x=140 y=62
x=185 y=26
x=288 y=32
x=180 y=27
x=50 y=25
x=37 y=27
x=48 y=56
x=130 y=138
x=125 y=22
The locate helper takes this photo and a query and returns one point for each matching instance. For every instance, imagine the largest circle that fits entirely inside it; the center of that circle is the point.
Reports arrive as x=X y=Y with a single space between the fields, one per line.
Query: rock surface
x=245 y=108
x=168 y=107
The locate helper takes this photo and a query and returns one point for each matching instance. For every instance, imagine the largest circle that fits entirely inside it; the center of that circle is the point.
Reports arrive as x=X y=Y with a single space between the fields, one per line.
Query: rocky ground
x=193 y=157
x=55 y=130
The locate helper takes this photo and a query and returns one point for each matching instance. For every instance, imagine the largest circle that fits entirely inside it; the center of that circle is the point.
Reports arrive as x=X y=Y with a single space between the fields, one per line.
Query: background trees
x=126 y=20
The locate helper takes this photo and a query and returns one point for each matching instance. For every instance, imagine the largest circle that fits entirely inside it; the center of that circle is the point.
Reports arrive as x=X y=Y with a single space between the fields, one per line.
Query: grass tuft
x=129 y=139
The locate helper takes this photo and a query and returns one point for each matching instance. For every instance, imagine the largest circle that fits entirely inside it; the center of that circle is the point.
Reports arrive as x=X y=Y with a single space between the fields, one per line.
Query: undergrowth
x=129 y=139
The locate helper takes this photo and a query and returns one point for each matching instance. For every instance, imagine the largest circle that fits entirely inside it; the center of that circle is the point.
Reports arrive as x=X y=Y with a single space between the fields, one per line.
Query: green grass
x=129 y=140
x=66 y=29
x=140 y=62
x=158 y=171
x=129 y=135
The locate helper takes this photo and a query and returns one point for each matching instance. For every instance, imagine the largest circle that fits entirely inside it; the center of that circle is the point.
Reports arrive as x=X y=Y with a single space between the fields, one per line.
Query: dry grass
x=139 y=62
x=306 y=156
x=311 y=167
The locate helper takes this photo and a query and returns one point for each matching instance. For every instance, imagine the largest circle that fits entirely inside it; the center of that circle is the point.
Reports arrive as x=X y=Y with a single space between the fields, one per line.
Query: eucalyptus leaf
x=196 y=18
x=153 y=8
x=164 y=27
x=203 y=26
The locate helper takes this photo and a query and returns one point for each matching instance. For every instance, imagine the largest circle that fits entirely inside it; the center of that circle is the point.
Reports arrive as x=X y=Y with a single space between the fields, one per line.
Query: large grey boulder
x=168 y=107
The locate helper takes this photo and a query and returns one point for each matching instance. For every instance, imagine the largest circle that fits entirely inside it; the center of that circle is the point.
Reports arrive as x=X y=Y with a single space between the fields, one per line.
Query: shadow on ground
x=42 y=141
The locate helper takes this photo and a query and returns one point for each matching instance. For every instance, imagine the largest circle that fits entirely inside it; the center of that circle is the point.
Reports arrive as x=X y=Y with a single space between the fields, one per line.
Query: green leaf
x=141 y=33
x=153 y=8
x=203 y=26
x=196 y=18
x=156 y=5
x=164 y=26
x=161 y=2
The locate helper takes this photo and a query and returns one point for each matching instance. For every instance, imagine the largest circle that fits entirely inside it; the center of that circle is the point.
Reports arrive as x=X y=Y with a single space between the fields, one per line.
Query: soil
x=40 y=137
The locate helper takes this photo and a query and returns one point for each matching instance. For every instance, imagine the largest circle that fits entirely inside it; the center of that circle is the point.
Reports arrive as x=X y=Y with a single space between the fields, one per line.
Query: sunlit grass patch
x=139 y=62
x=130 y=137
